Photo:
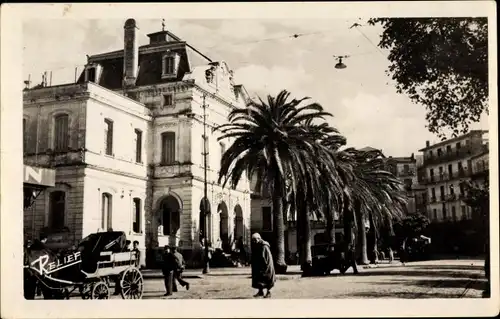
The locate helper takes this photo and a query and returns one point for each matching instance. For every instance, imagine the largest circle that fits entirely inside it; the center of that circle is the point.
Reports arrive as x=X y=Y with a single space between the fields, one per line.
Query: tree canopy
x=441 y=63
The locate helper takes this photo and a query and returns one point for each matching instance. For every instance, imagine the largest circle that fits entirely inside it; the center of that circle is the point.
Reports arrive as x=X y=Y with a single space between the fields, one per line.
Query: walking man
x=179 y=266
x=263 y=274
x=167 y=270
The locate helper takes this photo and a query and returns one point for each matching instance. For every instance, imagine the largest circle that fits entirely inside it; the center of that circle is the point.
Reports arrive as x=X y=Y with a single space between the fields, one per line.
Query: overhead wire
x=241 y=63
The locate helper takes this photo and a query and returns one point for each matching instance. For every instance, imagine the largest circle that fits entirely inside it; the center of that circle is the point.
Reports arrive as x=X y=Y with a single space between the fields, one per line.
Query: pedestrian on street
x=135 y=249
x=263 y=274
x=391 y=255
x=168 y=270
x=179 y=266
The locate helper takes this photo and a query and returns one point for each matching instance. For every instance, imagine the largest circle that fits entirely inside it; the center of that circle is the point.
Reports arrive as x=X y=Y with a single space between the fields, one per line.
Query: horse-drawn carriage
x=99 y=260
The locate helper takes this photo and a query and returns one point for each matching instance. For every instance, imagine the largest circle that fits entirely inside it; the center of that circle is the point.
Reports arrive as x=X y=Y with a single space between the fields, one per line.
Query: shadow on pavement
x=416 y=273
x=457 y=267
x=400 y=295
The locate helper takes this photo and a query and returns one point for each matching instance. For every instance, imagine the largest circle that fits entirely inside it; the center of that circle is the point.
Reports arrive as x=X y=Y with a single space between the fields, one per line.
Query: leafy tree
x=441 y=63
x=411 y=226
x=272 y=145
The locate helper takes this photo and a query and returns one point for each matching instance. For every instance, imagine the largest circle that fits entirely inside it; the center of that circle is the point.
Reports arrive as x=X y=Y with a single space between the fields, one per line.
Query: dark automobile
x=327 y=257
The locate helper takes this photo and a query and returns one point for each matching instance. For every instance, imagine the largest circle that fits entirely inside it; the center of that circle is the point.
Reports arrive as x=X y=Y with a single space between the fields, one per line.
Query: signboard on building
x=39 y=176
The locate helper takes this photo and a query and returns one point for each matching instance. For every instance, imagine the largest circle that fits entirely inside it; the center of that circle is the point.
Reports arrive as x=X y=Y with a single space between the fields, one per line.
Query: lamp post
x=205 y=190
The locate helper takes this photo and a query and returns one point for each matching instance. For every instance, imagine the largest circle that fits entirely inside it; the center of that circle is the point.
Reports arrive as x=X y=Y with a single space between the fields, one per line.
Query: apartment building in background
x=445 y=166
x=127 y=145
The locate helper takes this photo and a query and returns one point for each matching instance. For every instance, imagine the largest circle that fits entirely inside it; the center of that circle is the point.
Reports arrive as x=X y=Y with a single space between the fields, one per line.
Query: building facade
x=446 y=165
x=127 y=141
x=405 y=169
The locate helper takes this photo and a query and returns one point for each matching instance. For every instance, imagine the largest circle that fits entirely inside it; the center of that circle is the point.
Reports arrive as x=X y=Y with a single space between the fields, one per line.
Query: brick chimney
x=427 y=143
x=130 y=54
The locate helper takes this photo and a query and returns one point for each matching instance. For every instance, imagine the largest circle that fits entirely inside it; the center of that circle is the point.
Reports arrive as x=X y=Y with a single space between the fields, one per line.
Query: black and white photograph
x=178 y=152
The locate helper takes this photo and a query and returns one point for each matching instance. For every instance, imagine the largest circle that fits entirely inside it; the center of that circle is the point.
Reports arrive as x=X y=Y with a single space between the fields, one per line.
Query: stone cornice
x=214 y=96
x=116 y=172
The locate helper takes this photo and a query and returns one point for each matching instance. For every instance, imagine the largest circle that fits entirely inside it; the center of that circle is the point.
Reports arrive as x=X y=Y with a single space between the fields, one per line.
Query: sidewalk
x=293 y=271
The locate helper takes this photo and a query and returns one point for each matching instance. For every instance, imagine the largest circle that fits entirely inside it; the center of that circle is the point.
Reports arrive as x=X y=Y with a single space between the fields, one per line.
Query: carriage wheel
x=131 y=284
x=100 y=290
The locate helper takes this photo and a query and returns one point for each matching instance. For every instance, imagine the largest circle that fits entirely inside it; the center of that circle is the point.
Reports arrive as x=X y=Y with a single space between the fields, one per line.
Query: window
x=448 y=149
x=136 y=224
x=169 y=218
x=461 y=185
x=138 y=146
x=452 y=190
x=440 y=171
x=432 y=174
x=445 y=213
x=61 y=132
x=441 y=188
x=453 y=213
x=434 y=212
x=25 y=136
x=450 y=170
x=433 y=191
x=406 y=169
x=91 y=73
x=431 y=154
x=267 y=218
x=460 y=167
x=440 y=152
x=106 y=211
x=464 y=212
x=57 y=207
x=168 y=147
x=458 y=145
x=168 y=100
x=108 y=137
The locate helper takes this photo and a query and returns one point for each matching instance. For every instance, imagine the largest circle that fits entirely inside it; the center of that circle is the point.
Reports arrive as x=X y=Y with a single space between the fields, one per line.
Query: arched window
x=136 y=224
x=57 y=208
x=169 y=217
x=107 y=211
x=168 y=148
x=61 y=131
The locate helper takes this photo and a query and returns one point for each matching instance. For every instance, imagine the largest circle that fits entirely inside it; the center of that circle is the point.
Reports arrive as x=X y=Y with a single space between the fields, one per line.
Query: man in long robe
x=263 y=274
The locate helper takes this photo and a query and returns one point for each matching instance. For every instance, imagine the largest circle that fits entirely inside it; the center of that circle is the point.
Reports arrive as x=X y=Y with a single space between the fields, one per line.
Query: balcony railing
x=461 y=173
x=451 y=155
x=433 y=199
x=451 y=197
x=404 y=173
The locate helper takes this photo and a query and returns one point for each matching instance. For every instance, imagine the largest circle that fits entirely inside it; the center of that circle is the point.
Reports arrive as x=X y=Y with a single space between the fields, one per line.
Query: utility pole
x=205 y=190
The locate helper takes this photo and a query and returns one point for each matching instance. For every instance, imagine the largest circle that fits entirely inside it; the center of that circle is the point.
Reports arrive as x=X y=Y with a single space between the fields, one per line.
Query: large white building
x=126 y=141
x=446 y=165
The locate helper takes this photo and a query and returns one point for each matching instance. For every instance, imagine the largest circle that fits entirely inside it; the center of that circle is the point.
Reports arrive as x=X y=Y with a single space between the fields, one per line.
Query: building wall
x=69 y=180
x=452 y=156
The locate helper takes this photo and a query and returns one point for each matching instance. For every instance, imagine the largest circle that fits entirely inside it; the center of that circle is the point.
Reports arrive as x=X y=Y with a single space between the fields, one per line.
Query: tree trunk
x=373 y=241
x=330 y=227
x=279 y=231
x=361 y=243
x=305 y=251
x=348 y=223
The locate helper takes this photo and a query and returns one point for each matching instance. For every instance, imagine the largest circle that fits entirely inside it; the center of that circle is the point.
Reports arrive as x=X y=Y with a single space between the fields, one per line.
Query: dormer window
x=168 y=100
x=92 y=73
x=170 y=65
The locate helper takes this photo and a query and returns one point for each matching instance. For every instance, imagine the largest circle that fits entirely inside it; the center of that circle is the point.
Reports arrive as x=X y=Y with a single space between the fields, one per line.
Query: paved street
x=430 y=279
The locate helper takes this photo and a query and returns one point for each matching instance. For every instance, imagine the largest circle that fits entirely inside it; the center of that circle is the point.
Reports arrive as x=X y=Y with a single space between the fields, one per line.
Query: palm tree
x=271 y=145
x=373 y=194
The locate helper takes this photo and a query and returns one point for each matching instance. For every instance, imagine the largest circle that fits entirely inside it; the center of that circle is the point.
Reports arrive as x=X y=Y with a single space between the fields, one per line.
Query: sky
x=266 y=59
